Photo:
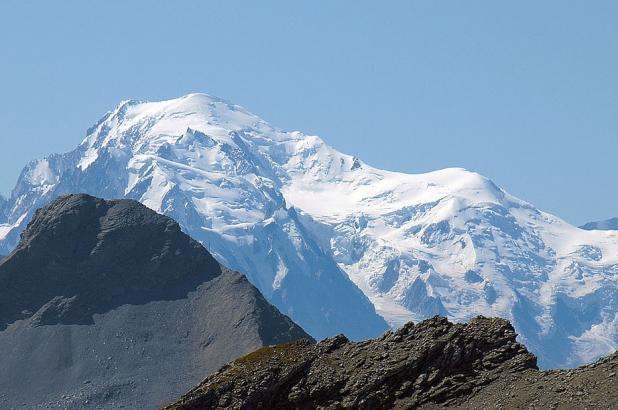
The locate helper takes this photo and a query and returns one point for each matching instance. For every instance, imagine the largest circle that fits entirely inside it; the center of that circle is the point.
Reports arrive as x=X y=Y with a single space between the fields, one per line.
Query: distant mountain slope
x=107 y=304
x=311 y=226
x=607 y=225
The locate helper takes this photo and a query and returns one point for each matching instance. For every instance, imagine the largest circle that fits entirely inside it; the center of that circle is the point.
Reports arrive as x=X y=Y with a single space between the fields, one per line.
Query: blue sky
x=523 y=92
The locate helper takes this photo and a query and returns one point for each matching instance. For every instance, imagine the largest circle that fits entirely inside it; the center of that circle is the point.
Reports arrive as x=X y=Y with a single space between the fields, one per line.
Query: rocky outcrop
x=107 y=304
x=432 y=362
x=606 y=225
x=432 y=365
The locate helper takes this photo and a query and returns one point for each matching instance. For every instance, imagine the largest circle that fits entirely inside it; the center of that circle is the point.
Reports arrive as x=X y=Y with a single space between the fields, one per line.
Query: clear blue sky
x=524 y=92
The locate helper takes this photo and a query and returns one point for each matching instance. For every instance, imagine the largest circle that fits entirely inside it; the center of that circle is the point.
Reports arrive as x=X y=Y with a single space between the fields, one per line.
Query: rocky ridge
x=433 y=364
x=434 y=361
x=606 y=225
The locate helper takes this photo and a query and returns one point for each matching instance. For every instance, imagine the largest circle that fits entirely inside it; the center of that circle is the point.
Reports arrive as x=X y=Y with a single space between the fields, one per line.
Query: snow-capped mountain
x=210 y=166
x=452 y=243
x=295 y=214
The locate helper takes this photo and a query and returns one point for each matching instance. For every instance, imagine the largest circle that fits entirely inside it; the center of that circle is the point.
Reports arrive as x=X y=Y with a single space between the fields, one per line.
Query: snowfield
x=331 y=240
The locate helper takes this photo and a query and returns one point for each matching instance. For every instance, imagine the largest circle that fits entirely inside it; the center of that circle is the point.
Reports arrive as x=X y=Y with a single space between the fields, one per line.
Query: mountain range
x=338 y=245
x=107 y=304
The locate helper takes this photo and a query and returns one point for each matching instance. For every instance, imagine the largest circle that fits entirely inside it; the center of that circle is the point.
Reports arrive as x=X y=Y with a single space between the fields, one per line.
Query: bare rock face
x=107 y=304
x=432 y=362
x=83 y=255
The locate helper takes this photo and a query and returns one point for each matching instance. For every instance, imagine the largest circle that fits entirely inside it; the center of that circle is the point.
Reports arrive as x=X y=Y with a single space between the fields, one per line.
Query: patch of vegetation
x=284 y=352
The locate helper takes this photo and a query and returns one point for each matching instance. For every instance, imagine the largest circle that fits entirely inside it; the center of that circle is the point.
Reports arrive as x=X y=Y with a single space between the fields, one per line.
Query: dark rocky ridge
x=606 y=225
x=434 y=364
x=81 y=255
x=434 y=361
x=106 y=304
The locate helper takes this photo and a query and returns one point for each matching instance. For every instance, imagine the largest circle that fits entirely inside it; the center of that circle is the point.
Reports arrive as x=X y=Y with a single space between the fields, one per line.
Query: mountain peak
x=136 y=126
x=199 y=109
x=110 y=292
x=102 y=254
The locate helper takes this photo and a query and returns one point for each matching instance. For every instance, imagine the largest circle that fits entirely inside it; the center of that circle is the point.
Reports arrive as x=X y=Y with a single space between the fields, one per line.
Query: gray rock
x=106 y=304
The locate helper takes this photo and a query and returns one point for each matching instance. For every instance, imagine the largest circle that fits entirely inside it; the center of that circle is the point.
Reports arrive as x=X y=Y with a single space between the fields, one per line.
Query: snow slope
x=295 y=214
x=451 y=242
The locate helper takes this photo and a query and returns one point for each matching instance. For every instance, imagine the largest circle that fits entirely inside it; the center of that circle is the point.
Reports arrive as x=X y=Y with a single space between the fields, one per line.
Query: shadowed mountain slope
x=107 y=303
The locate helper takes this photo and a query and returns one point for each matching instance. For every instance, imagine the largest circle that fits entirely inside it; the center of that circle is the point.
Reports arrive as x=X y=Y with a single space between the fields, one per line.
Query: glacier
x=338 y=245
